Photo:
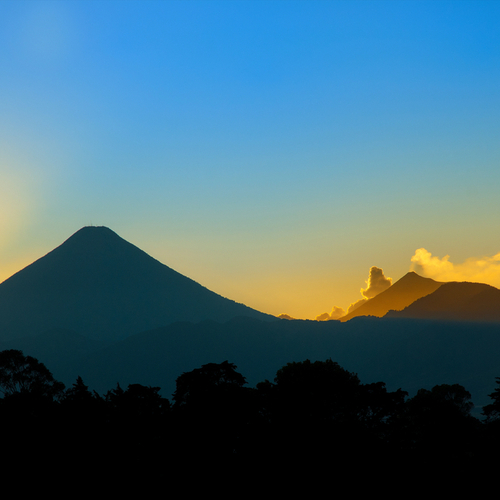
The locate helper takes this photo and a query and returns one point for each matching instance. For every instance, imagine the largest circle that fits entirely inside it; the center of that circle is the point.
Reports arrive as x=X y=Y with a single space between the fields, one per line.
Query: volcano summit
x=99 y=285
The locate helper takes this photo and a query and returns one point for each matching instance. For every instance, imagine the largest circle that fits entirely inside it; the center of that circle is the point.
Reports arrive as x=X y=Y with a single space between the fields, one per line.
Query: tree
x=322 y=390
x=445 y=399
x=438 y=425
x=211 y=409
x=319 y=405
x=21 y=374
x=79 y=404
x=79 y=394
x=379 y=406
x=138 y=401
x=202 y=384
x=492 y=411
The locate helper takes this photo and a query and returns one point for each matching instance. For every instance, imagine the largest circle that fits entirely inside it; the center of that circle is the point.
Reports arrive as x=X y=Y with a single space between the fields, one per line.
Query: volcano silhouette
x=99 y=285
x=398 y=296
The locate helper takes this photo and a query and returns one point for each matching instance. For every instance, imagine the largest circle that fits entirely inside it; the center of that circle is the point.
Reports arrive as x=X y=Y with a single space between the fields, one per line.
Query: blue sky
x=271 y=150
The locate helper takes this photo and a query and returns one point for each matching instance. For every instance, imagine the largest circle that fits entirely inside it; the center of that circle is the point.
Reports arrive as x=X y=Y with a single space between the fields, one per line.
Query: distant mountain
x=99 y=285
x=456 y=301
x=398 y=296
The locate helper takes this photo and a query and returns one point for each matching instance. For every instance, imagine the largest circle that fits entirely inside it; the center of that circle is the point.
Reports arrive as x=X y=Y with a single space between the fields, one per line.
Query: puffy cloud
x=337 y=312
x=482 y=270
x=376 y=283
x=285 y=316
x=323 y=317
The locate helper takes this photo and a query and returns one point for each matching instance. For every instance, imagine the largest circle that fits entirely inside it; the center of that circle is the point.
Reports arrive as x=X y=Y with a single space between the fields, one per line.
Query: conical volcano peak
x=93 y=235
x=100 y=285
x=92 y=227
x=86 y=231
x=98 y=246
x=95 y=230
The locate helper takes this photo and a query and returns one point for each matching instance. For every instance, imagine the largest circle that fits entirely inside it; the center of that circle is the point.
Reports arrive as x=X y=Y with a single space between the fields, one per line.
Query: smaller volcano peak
x=412 y=275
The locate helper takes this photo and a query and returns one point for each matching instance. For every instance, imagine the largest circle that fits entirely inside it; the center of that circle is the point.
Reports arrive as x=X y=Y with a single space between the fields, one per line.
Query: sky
x=273 y=151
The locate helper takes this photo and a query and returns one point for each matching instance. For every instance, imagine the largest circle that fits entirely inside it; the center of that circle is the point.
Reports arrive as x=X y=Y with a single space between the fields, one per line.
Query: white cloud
x=377 y=283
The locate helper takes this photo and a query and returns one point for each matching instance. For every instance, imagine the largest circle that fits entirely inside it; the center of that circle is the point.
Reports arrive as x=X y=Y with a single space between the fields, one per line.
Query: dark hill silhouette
x=456 y=301
x=406 y=353
x=398 y=296
x=99 y=285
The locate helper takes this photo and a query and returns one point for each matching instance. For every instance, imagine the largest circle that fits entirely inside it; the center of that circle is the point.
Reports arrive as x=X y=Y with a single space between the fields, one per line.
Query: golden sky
x=272 y=151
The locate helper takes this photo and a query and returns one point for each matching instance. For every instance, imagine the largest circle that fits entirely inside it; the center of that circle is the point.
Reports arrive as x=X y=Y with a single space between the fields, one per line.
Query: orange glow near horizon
x=481 y=270
x=287 y=294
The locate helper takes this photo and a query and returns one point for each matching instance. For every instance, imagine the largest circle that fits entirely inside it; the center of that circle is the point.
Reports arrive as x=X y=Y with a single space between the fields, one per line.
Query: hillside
x=456 y=301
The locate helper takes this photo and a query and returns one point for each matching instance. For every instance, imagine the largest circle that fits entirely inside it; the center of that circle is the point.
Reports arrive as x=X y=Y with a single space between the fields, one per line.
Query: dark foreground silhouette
x=314 y=416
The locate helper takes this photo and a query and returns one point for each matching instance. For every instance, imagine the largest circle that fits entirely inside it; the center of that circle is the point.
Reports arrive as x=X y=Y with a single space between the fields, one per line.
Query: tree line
x=316 y=414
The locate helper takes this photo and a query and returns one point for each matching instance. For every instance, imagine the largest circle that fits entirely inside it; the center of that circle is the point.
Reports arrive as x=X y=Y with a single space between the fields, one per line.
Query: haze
x=272 y=151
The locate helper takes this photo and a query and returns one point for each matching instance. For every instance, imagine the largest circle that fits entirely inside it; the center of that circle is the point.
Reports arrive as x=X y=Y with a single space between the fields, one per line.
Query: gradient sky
x=273 y=151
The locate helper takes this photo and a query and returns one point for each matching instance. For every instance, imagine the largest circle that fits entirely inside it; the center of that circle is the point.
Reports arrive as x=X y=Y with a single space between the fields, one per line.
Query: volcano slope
x=98 y=285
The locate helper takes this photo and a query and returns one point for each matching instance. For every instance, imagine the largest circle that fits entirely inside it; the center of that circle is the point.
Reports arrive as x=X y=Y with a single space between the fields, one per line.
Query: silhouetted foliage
x=439 y=425
x=79 y=394
x=322 y=390
x=492 y=411
x=82 y=406
x=82 y=425
x=317 y=405
x=138 y=401
x=315 y=416
x=21 y=374
x=201 y=384
x=378 y=405
x=456 y=395
x=330 y=392
x=29 y=406
x=212 y=410
x=450 y=399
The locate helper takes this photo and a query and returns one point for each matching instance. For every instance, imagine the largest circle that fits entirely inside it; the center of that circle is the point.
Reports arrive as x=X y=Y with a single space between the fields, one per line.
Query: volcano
x=101 y=286
x=398 y=296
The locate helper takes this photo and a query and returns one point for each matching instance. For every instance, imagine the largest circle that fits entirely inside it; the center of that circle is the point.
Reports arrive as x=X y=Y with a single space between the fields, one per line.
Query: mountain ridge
x=398 y=296
x=456 y=301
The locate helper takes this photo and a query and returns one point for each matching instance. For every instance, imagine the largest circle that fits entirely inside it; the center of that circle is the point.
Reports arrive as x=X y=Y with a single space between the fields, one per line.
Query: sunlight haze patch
x=16 y=199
